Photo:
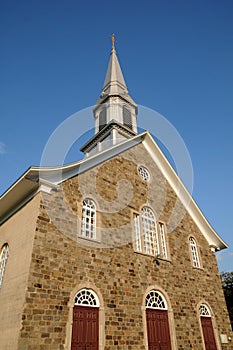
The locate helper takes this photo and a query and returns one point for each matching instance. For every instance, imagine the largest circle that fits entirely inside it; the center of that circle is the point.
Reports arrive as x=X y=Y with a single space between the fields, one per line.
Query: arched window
x=194 y=252
x=155 y=300
x=204 y=310
x=149 y=231
x=88 y=226
x=149 y=236
x=3 y=260
x=86 y=297
x=144 y=173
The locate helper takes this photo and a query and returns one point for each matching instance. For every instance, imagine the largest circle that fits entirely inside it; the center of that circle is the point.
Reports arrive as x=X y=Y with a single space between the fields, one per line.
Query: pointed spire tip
x=113 y=41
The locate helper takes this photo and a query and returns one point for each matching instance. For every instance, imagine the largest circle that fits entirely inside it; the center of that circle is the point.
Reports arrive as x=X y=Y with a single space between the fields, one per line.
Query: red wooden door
x=158 y=330
x=85 y=329
x=208 y=333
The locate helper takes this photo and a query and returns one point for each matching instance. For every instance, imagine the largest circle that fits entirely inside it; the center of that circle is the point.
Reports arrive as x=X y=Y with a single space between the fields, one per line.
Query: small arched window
x=194 y=252
x=3 y=260
x=204 y=311
x=88 y=226
x=144 y=173
x=86 y=297
x=155 y=300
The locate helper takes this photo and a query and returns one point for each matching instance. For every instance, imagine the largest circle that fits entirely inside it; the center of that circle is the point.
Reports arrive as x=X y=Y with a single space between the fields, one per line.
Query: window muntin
x=144 y=173
x=194 y=252
x=155 y=300
x=149 y=236
x=86 y=297
x=88 y=226
x=3 y=260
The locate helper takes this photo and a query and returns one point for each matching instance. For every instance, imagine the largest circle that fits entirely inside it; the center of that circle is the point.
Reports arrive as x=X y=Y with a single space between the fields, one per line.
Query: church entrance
x=158 y=333
x=207 y=328
x=85 y=327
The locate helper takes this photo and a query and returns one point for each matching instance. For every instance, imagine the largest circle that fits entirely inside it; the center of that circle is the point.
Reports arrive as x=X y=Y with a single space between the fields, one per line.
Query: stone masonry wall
x=62 y=260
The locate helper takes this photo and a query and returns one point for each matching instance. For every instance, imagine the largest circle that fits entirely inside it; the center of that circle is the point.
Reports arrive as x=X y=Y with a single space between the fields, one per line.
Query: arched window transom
x=86 y=297
x=3 y=260
x=204 y=311
x=88 y=228
x=155 y=300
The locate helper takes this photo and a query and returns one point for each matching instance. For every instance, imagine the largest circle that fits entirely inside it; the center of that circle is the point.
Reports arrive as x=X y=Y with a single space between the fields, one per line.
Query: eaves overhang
x=30 y=182
x=35 y=179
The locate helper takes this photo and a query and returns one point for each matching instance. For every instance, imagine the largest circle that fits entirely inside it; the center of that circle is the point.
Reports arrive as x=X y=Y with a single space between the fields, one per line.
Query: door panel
x=208 y=333
x=158 y=330
x=85 y=329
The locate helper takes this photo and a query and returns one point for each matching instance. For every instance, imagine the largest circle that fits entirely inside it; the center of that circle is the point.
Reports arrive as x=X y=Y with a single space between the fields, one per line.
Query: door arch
x=85 y=326
x=157 y=324
x=207 y=327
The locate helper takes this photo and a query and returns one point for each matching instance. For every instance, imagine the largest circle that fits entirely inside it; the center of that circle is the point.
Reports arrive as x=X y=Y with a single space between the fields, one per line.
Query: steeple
x=114 y=84
x=115 y=111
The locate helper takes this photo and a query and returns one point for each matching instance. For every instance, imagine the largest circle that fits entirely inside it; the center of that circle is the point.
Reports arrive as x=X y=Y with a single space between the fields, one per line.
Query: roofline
x=181 y=191
x=30 y=181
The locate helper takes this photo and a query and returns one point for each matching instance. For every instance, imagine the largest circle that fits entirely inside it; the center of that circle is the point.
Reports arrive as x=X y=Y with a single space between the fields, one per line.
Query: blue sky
x=176 y=57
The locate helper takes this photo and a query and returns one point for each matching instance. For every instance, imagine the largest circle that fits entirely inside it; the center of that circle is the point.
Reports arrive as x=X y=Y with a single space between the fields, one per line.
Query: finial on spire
x=113 y=41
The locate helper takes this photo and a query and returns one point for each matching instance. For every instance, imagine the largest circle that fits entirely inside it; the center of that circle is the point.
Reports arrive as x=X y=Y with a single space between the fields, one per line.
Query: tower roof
x=114 y=84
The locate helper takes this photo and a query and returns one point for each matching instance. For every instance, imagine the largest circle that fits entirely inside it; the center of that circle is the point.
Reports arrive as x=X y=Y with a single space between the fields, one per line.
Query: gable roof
x=37 y=179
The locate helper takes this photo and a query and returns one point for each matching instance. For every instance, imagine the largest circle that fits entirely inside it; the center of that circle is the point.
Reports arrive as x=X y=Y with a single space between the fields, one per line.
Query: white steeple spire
x=114 y=84
x=115 y=111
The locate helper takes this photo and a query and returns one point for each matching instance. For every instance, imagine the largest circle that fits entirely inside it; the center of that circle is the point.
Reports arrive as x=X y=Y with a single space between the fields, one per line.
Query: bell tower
x=115 y=112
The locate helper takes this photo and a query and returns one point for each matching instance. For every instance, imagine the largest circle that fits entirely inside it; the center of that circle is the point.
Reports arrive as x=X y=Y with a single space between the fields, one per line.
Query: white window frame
x=3 y=261
x=194 y=252
x=88 y=223
x=149 y=236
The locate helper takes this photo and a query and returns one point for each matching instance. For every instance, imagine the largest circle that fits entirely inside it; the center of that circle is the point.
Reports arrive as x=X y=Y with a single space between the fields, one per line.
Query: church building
x=93 y=256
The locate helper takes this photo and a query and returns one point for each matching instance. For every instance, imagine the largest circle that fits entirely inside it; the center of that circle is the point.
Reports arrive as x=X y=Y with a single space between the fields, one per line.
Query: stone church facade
x=93 y=255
